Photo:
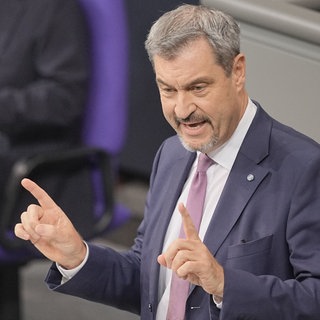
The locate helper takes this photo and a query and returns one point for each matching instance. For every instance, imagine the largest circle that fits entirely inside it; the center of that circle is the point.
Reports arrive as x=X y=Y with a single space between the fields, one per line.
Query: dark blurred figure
x=43 y=77
x=44 y=67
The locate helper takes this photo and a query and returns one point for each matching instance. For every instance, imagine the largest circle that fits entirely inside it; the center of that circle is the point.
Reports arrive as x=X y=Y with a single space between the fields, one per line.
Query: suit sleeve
x=108 y=277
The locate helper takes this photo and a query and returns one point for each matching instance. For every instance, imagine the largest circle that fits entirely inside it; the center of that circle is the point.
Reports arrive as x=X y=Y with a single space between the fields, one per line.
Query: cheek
x=167 y=109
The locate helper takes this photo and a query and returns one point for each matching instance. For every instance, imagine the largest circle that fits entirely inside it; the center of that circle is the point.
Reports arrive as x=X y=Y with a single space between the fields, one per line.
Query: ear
x=239 y=70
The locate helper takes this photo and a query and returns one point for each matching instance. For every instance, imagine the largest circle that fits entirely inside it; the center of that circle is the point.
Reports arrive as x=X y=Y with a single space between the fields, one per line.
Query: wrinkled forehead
x=193 y=62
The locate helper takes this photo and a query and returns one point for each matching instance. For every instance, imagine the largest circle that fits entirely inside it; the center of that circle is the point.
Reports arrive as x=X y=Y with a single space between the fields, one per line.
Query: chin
x=205 y=147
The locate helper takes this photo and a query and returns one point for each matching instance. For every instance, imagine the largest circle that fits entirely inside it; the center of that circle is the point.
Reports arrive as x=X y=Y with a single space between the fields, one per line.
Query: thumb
x=161 y=259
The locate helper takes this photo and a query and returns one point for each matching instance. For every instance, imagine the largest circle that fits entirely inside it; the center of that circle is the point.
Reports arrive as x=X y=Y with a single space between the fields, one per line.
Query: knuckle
x=23 y=216
x=32 y=207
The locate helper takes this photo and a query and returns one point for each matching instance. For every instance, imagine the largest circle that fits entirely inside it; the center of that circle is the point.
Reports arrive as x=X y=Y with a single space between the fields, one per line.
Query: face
x=199 y=101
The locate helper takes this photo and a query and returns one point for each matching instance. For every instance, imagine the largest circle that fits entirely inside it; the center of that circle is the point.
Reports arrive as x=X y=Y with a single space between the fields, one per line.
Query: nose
x=184 y=105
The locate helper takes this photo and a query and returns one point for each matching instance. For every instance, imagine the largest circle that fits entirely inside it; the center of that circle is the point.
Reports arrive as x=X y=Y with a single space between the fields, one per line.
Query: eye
x=167 y=91
x=198 y=88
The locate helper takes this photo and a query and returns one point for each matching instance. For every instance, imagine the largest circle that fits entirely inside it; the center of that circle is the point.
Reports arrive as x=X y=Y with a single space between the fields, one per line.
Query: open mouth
x=194 y=125
x=194 y=128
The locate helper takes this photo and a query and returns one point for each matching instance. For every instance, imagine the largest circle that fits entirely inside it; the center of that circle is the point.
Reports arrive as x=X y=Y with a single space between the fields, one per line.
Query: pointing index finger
x=188 y=226
x=42 y=197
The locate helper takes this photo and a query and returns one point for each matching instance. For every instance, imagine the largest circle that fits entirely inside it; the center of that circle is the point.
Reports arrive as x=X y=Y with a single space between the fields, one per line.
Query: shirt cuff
x=67 y=274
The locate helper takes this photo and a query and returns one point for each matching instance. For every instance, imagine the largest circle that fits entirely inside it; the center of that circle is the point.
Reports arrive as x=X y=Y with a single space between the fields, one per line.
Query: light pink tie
x=179 y=287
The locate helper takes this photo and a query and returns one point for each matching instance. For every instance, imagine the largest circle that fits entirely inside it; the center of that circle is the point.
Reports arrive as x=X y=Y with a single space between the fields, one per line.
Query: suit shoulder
x=290 y=138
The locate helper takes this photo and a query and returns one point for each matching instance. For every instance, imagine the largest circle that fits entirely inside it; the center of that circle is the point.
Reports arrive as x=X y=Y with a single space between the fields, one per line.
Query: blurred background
x=122 y=127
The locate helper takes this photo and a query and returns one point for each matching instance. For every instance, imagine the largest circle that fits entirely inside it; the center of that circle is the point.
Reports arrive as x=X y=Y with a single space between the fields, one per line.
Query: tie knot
x=204 y=162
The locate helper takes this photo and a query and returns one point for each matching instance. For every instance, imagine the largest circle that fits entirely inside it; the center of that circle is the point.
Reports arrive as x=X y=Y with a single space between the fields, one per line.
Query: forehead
x=197 y=59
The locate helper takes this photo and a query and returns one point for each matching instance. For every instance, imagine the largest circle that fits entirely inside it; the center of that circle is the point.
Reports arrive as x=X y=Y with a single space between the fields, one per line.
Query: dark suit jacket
x=44 y=69
x=265 y=232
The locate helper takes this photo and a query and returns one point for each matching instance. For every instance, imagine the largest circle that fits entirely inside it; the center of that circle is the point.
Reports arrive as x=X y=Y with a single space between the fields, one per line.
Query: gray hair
x=177 y=28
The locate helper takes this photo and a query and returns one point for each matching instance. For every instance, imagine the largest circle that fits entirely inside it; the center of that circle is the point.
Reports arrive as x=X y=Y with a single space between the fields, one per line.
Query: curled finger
x=20 y=232
x=29 y=221
x=179 y=260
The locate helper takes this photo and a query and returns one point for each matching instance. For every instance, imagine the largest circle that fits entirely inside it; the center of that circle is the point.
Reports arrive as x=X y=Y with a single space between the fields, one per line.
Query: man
x=44 y=74
x=256 y=254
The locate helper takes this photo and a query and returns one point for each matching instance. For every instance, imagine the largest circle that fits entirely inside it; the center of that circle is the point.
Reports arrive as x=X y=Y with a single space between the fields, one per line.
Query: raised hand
x=192 y=261
x=50 y=230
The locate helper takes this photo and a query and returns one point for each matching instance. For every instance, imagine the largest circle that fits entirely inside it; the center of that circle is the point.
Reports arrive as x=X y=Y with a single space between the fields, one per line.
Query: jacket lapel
x=175 y=179
x=244 y=178
x=173 y=184
x=241 y=184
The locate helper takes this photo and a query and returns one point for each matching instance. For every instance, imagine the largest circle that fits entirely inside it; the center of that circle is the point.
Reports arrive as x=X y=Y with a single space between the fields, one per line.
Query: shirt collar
x=227 y=153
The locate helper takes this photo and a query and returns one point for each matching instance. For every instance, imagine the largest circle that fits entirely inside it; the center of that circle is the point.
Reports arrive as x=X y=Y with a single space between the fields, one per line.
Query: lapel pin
x=250 y=177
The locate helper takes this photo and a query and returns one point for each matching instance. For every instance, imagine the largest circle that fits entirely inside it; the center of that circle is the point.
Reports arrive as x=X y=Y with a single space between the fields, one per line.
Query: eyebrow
x=206 y=80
